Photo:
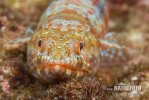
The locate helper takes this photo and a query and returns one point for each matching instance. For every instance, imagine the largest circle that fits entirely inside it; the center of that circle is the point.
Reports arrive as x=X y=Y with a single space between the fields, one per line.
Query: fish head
x=64 y=53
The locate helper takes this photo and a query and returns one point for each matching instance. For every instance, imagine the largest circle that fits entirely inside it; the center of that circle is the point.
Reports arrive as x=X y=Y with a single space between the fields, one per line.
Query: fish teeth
x=68 y=72
x=35 y=75
x=46 y=71
x=79 y=74
x=62 y=61
x=38 y=71
x=56 y=61
x=57 y=68
x=44 y=59
x=34 y=60
x=67 y=60
x=72 y=60
x=51 y=61
x=75 y=61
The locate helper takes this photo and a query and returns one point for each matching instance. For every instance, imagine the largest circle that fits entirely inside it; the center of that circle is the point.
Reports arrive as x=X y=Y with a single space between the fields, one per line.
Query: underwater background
x=128 y=18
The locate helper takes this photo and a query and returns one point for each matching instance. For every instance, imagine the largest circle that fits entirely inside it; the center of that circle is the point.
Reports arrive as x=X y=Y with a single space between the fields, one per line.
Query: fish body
x=66 y=43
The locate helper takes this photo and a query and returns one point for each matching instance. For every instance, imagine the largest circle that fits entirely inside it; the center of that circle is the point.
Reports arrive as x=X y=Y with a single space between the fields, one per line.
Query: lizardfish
x=69 y=40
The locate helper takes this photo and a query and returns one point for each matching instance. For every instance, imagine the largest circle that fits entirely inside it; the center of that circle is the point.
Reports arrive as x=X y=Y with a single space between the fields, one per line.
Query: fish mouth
x=66 y=67
x=58 y=73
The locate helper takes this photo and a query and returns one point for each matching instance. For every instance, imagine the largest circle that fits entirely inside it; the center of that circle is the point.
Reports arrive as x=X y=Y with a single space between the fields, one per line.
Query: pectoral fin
x=112 y=53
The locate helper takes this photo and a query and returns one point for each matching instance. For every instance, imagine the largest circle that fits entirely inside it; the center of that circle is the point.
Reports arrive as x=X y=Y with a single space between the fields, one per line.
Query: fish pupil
x=39 y=43
x=81 y=46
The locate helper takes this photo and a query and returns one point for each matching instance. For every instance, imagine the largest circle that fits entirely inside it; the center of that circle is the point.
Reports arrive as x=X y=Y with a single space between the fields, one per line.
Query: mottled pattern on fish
x=66 y=43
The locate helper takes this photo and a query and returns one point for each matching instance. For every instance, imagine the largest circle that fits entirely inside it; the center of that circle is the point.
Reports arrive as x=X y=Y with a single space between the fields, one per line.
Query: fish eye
x=39 y=43
x=81 y=46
